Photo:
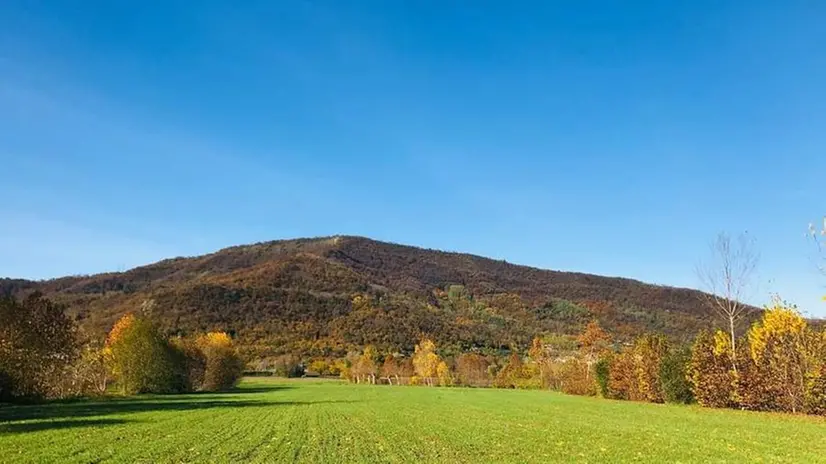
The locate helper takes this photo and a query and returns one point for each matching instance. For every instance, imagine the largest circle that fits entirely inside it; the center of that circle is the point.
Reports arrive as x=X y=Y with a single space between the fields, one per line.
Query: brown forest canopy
x=300 y=296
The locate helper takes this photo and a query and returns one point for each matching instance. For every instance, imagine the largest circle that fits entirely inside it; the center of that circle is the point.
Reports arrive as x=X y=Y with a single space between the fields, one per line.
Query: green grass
x=317 y=421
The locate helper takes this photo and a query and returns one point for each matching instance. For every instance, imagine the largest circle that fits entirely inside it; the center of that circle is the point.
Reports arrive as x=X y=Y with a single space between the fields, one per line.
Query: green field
x=325 y=421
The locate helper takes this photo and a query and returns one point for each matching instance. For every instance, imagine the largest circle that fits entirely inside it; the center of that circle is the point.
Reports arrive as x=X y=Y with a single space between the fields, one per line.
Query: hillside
x=298 y=296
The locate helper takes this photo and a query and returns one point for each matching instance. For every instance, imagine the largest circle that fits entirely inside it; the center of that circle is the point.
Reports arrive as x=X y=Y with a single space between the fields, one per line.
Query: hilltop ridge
x=296 y=295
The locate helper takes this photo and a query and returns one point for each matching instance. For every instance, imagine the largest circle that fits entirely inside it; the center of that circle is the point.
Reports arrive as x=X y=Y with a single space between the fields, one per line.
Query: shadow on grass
x=118 y=406
x=54 y=414
x=26 y=427
x=247 y=390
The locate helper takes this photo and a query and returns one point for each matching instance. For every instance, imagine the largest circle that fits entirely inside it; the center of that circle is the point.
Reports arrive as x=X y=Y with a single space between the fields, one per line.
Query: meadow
x=272 y=420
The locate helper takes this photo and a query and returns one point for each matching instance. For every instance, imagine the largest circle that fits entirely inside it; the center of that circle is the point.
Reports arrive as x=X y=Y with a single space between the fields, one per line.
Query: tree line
x=780 y=366
x=43 y=356
x=777 y=364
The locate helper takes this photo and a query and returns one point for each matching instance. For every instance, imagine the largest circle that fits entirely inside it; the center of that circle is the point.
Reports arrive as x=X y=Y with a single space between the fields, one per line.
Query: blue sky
x=613 y=138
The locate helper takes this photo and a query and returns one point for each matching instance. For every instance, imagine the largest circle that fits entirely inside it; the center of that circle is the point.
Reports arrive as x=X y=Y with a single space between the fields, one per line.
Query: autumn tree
x=513 y=374
x=426 y=361
x=783 y=349
x=634 y=371
x=649 y=350
x=726 y=277
x=621 y=375
x=390 y=369
x=472 y=370
x=142 y=360
x=320 y=367
x=190 y=362
x=88 y=375
x=594 y=342
x=710 y=370
x=444 y=374
x=223 y=367
x=539 y=364
x=37 y=343
x=365 y=368
x=816 y=391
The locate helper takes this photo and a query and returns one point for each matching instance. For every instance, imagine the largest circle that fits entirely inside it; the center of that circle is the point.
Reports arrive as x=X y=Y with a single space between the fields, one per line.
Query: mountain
x=300 y=296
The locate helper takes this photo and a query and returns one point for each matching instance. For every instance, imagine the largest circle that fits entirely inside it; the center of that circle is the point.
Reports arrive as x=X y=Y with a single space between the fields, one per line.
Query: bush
x=621 y=378
x=86 y=376
x=192 y=365
x=472 y=370
x=673 y=375
x=143 y=361
x=709 y=372
x=514 y=375
x=223 y=367
x=320 y=367
x=288 y=366
x=575 y=378
x=602 y=374
x=816 y=392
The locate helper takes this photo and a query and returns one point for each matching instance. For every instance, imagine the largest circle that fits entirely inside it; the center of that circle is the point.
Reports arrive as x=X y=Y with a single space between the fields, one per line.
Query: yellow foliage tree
x=223 y=366
x=365 y=367
x=426 y=361
x=444 y=374
x=784 y=351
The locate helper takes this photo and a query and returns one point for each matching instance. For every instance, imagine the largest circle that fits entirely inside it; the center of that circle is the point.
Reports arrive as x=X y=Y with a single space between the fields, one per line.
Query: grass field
x=322 y=421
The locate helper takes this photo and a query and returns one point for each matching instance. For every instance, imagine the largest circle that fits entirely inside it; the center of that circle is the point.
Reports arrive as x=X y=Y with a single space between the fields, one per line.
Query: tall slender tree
x=727 y=278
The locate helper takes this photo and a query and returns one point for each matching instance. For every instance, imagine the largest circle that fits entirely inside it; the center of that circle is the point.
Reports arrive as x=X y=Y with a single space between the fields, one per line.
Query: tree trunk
x=733 y=346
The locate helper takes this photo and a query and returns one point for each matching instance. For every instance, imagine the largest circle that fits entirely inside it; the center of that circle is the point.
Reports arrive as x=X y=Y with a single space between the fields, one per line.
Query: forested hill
x=303 y=296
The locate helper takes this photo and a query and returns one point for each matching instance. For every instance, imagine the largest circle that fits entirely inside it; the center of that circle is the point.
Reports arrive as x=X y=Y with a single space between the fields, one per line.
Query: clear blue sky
x=607 y=137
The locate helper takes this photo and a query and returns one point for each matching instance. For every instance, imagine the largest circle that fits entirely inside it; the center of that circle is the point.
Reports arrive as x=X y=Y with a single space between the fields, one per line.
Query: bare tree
x=726 y=277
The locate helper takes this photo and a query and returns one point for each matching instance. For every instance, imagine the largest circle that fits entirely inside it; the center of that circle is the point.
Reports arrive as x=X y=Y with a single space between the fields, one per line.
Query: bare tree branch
x=726 y=277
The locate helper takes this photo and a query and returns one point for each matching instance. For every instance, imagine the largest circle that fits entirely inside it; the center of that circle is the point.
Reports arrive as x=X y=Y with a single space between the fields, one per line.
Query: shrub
x=673 y=376
x=514 y=374
x=648 y=351
x=86 y=376
x=223 y=367
x=575 y=378
x=143 y=361
x=192 y=365
x=602 y=374
x=472 y=370
x=816 y=392
x=781 y=349
x=320 y=367
x=709 y=372
x=444 y=375
x=288 y=366
x=621 y=376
